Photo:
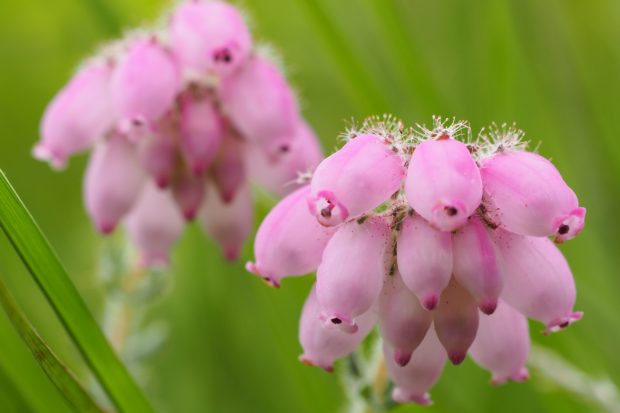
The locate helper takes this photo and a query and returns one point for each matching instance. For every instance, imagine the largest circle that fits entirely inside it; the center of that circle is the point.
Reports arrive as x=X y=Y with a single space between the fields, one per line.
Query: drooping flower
x=443 y=283
x=180 y=110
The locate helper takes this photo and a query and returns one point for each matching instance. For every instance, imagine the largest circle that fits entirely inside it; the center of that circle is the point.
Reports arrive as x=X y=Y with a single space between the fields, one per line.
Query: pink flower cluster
x=178 y=121
x=444 y=242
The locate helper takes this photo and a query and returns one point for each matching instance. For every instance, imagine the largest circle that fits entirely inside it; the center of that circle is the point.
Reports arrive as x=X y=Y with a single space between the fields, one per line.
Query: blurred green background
x=551 y=66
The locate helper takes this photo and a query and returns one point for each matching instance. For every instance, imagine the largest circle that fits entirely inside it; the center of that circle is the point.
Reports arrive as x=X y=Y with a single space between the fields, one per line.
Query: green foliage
x=550 y=66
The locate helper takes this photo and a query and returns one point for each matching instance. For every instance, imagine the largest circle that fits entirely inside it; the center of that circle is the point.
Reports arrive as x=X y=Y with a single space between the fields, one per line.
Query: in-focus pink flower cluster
x=179 y=120
x=444 y=241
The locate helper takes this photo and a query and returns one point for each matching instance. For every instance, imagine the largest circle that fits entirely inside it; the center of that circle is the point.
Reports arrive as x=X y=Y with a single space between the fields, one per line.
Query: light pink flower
x=322 y=346
x=77 y=116
x=143 y=87
x=424 y=259
x=477 y=265
x=538 y=280
x=289 y=241
x=112 y=182
x=359 y=177
x=209 y=37
x=502 y=344
x=351 y=272
x=443 y=183
x=228 y=223
x=413 y=381
x=154 y=225
x=404 y=322
x=527 y=195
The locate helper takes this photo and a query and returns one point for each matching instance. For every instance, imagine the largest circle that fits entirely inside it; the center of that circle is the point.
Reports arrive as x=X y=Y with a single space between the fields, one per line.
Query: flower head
x=440 y=237
x=180 y=121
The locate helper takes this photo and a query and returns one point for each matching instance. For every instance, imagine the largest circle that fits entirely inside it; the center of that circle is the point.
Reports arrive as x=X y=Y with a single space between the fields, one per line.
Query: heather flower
x=431 y=255
x=174 y=118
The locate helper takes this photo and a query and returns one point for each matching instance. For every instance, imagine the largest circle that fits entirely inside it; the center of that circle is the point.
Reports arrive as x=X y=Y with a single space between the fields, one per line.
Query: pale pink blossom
x=527 y=195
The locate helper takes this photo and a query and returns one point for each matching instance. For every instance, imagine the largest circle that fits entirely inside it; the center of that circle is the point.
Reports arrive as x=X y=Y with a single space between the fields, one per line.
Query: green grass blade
x=11 y=397
x=48 y=272
x=58 y=373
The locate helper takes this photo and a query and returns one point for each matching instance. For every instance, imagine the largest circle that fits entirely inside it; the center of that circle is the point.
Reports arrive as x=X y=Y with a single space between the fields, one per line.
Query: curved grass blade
x=11 y=397
x=48 y=272
x=58 y=373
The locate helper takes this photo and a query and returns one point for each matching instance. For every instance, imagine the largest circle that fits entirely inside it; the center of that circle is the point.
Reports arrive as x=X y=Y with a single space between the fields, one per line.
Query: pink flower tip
x=430 y=302
x=190 y=214
x=401 y=396
x=328 y=211
x=402 y=358
x=562 y=322
x=231 y=253
x=570 y=225
x=457 y=357
x=449 y=215
x=43 y=153
x=305 y=359
x=106 y=228
x=521 y=376
x=488 y=307
x=162 y=182
x=342 y=323
x=255 y=269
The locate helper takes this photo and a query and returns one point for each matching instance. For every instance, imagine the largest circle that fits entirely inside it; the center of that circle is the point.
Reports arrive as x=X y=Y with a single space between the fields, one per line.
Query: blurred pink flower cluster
x=179 y=121
x=441 y=238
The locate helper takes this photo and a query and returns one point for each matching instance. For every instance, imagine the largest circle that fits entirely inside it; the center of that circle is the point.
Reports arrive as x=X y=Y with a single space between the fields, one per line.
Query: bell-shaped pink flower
x=202 y=132
x=112 y=182
x=209 y=37
x=188 y=191
x=456 y=321
x=477 y=265
x=352 y=270
x=261 y=105
x=229 y=224
x=278 y=177
x=538 y=280
x=77 y=116
x=289 y=241
x=154 y=225
x=359 y=177
x=158 y=152
x=527 y=195
x=414 y=380
x=424 y=257
x=322 y=346
x=502 y=345
x=144 y=86
x=404 y=322
x=228 y=169
x=443 y=183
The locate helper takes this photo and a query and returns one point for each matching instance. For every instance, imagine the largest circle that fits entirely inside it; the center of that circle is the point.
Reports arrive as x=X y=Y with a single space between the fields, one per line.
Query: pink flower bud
x=210 y=37
x=279 y=177
x=228 y=169
x=77 y=116
x=202 y=133
x=404 y=322
x=112 y=182
x=229 y=224
x=322 y=346
x=527 y=196
x=477 y=264
x=352 y=270
x=143 y=87
x=154 y=225
x=424 y=257
x=359 y=177
x=443 y=183
x=421 y=373
x=502 y=345
x=538 y=280
x=289 y=242
x=188 y=191
x=456 y=321
x=261 y=105
x=158 y=153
